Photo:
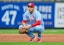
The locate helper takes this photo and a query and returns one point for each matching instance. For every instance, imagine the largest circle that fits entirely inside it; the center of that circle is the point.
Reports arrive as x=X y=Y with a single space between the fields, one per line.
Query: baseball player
x=32 y=22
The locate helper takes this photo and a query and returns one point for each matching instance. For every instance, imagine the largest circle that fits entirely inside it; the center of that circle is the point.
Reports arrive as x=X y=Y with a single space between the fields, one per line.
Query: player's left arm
x=38 y=20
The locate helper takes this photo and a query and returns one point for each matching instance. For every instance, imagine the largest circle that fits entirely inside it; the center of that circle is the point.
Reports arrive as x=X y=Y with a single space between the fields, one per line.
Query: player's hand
x=27 y=27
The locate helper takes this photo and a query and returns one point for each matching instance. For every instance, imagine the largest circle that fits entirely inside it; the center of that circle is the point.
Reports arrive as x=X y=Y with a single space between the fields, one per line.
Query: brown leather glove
x=23 y=31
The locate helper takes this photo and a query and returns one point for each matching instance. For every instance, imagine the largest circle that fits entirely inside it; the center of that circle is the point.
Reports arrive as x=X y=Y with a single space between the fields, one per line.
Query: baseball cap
x=31 y=5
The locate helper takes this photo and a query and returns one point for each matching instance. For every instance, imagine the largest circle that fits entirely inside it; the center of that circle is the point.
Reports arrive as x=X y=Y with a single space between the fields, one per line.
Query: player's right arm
x=24 y=20
x=23 y=30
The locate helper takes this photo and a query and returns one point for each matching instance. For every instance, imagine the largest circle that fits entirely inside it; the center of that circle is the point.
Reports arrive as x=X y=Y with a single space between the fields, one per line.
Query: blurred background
x=11 y=12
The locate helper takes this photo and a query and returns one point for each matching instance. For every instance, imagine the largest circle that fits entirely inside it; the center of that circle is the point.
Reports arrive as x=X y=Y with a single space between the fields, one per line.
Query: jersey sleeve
x=38 y=16
x=24 y=17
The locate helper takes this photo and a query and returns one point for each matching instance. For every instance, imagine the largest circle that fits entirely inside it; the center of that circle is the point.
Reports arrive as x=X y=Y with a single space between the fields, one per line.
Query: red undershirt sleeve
x=36 y=23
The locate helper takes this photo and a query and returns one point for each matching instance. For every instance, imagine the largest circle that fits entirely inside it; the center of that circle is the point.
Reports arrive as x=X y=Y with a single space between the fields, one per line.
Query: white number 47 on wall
x=6 y=18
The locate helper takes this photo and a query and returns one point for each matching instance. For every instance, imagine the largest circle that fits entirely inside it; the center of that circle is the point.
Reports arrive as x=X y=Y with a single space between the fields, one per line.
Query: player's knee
x=39 y=28
x=20 y=26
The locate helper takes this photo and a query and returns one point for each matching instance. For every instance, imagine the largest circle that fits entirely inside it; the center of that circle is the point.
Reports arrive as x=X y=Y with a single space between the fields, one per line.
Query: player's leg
x=39 y=29
x=30 y=34
x=30 y=31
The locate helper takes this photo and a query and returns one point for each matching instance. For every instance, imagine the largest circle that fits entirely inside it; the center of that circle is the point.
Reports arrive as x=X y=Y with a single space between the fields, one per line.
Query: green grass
x=54 y=31
x=8 y=31
x=33 y=43
x=46 y=31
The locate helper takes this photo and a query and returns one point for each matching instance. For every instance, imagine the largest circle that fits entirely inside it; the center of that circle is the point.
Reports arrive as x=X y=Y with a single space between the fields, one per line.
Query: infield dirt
x=25 y=38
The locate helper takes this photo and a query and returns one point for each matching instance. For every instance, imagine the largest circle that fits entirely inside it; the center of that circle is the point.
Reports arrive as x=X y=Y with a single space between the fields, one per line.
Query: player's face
x=30 y=9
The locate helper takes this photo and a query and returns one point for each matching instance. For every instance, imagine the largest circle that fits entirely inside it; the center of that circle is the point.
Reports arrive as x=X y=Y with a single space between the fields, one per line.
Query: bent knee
x=21 y=26
x=38 y=27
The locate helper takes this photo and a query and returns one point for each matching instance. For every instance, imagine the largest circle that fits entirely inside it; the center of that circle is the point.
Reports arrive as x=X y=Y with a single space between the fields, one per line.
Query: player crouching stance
x=32 y=22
